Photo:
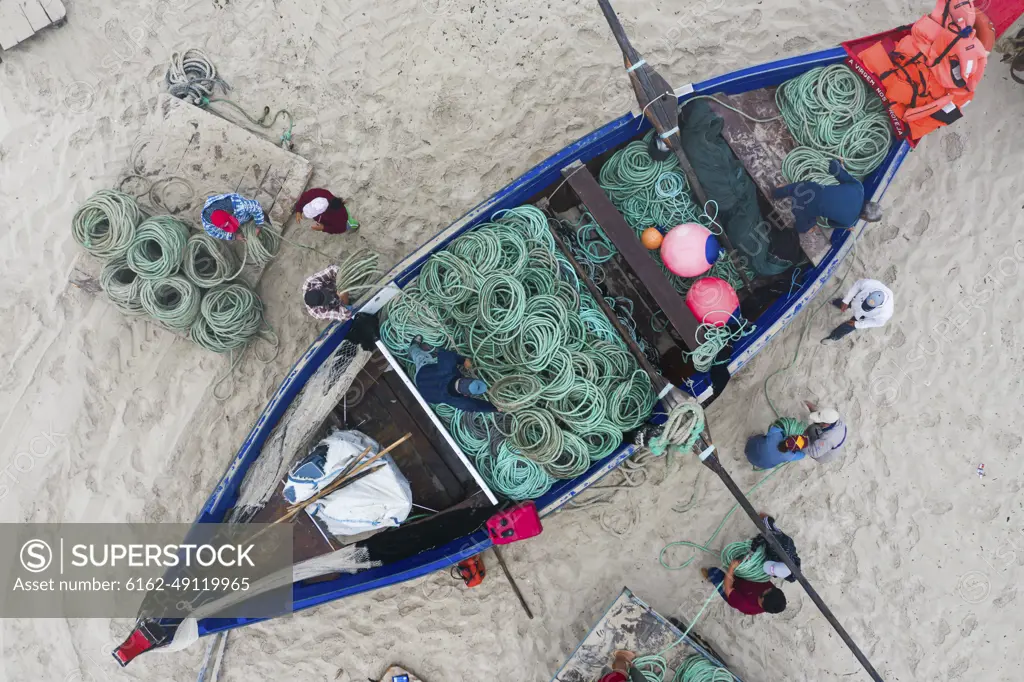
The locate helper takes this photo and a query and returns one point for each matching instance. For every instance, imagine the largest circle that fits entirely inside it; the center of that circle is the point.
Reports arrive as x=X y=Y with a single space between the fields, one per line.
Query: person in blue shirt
x=439 y=379
x=223 y=214
x=774 y=448
x=842 y=205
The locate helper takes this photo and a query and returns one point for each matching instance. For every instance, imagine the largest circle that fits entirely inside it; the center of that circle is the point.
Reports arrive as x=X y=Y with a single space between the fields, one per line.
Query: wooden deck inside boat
x=380 y=405
x=762 y=147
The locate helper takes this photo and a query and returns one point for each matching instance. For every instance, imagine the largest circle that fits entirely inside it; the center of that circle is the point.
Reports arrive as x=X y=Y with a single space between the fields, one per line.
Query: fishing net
x=333 y=383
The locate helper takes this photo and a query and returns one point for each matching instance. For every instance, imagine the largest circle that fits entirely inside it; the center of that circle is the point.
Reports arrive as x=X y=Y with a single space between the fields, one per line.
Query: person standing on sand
x=826 y=434
x=322 y=299
x=327 y=211
x=871 y=303
x=842 y=205
x=745 y=596
x=223 y=214
x=773 y=448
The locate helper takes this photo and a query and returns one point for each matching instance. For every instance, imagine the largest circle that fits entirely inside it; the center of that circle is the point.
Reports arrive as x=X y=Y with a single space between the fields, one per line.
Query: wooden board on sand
x=21 y=19
x=395 y=673
x=185 y=154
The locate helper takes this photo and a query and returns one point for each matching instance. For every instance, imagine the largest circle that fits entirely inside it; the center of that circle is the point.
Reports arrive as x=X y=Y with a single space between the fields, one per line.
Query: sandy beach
x=415 y=110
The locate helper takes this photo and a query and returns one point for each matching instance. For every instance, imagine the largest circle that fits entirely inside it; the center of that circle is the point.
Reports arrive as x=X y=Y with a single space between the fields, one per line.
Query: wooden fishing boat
x=385 y=403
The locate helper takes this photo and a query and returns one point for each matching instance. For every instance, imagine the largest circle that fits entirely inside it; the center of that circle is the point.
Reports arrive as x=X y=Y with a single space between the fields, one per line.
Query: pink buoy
x=689 y=250
x=713 y=301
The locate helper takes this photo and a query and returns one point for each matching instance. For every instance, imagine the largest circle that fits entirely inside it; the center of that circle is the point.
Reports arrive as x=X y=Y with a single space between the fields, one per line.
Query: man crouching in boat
x=322 y=298
x=439 y=379
x=842 y=205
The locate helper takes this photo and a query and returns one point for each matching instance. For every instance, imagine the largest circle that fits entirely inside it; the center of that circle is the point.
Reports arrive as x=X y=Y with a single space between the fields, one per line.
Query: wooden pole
x=711 y=461
x=658 y=102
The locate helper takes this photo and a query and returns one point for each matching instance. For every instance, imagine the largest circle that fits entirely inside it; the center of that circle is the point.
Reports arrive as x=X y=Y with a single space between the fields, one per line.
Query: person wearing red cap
x=223 y=214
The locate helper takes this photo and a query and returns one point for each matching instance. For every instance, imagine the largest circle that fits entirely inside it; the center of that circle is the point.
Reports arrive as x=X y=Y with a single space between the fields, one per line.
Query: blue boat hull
x=771 y=322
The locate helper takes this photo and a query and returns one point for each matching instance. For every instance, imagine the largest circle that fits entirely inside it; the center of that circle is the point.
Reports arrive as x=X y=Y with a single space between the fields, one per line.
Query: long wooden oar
x=709 y=459
x=657 y=101
x=341 y=481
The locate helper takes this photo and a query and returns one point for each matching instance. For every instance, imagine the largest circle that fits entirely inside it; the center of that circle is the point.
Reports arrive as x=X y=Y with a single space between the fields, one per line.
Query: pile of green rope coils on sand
x=157 y=266
x=566 y=385
x=833 y=115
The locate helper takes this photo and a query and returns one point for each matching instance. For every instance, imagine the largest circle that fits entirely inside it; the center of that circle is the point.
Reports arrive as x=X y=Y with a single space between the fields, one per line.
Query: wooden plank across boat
x=442 y=479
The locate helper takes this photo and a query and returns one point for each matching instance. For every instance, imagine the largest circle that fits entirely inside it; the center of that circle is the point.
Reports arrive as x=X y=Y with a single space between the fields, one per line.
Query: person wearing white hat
x=826 y=433
x=871 y=304
x=327 y=211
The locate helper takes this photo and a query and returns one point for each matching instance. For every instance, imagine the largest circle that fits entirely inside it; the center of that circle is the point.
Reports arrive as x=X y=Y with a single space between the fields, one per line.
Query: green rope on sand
x=229 y=316
x=705 y=547
x=208 y=262
x=158 y=247
x=172 y=301
x=104 y=225
x=122 y=286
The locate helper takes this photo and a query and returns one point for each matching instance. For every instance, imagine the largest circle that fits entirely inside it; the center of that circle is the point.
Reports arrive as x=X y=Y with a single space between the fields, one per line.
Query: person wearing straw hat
x=223 y=214
x=327 y=211
x=826 y=434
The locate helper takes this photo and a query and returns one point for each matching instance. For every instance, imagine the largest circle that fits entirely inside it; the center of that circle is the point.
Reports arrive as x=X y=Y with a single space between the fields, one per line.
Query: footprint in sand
x=941 y=632
x=953 y=146
x=968 y=624
x=922 y=224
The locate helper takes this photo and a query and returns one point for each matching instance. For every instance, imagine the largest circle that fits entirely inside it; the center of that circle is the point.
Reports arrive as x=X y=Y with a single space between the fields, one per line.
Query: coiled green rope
x=229 y=316
x=172 y=301
x=158 y=247
x=208 y=262
x=504 y=297
x=122 y=286
x=833 y=115
x=104 y=225
x=694 y=668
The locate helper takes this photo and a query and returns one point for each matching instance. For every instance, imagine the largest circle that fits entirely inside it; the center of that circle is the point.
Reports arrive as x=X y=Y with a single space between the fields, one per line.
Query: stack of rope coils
x=503 y=296
x=153 y=266
x=652 y=193
x=833 y=115
x=656 y=193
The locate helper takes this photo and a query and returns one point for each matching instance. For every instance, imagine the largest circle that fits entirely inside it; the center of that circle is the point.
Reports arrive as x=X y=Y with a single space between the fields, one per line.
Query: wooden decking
x=761 y=147
x=184 y=155
x=21 y=19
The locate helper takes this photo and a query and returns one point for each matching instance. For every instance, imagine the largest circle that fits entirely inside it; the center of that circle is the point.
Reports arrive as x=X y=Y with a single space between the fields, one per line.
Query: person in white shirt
x=871 y=303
